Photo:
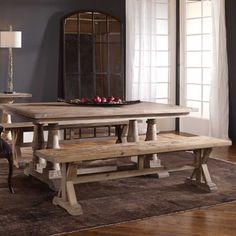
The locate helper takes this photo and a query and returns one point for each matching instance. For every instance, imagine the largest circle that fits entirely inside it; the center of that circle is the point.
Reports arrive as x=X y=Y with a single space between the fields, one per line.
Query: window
x=154 y=52
x=197 y=25
x=196 y=64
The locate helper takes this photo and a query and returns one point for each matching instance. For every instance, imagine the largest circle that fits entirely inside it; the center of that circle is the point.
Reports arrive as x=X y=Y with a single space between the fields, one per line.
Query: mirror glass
x=93 y=56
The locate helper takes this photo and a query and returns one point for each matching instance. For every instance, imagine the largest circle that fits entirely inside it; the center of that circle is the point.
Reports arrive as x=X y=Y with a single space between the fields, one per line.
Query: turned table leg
x=152 y=135
x=37 y=164
x=153 y=160
x=38 y=143
x=133 y=135
x=53 y=141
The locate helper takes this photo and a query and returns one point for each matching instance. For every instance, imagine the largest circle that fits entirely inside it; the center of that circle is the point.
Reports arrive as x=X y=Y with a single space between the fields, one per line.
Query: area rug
x=30 y=210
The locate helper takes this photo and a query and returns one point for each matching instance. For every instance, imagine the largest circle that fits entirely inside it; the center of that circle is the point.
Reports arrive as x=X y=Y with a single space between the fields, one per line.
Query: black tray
x=104 y=104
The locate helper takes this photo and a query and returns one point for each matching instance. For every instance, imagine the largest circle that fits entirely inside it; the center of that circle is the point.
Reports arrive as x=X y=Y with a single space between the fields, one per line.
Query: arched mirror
x=93 y=55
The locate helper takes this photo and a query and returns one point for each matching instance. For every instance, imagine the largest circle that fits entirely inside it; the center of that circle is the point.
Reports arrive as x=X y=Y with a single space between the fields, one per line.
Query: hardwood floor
x=214 y=221
x=219 y=220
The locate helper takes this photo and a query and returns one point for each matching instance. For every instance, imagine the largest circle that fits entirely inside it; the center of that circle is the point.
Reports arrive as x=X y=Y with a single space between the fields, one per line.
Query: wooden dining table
x=52 y=113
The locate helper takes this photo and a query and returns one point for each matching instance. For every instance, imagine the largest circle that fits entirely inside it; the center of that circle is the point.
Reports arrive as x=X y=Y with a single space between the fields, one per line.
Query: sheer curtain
x=139 y=57
x=219 y=101
x=150 y=53
x=139 y=25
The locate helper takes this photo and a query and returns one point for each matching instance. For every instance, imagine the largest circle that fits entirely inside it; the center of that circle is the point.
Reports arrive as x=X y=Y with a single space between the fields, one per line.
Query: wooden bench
x=69 y=159
x=17 y=130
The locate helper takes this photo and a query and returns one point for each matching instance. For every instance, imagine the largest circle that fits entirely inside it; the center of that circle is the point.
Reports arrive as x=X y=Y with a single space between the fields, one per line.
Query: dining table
x=52 y=113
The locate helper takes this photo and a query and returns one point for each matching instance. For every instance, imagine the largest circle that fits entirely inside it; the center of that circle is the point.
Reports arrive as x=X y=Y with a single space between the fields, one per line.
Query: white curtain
x=219 y=100
x=139 y=26
x=150 y=53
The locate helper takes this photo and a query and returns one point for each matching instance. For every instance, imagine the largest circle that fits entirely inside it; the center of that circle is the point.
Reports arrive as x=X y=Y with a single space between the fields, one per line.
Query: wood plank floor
x=212 y=221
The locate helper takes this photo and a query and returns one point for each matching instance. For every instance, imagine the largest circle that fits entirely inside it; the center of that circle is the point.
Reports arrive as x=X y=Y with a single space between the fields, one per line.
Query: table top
x=15 y=95
x=57 y=111
x=11 y=97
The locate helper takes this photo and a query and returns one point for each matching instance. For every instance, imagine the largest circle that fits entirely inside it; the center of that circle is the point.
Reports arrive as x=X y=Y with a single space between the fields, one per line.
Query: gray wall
x=36 y=64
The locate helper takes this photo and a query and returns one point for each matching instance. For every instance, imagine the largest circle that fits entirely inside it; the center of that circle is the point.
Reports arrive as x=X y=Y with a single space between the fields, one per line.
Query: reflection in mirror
x=93 y=56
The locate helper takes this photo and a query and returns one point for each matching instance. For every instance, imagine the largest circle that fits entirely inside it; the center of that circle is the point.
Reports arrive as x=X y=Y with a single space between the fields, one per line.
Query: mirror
x=93 y=56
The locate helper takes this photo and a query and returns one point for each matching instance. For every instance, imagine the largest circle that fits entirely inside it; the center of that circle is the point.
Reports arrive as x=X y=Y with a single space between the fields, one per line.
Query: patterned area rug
x=30 y=210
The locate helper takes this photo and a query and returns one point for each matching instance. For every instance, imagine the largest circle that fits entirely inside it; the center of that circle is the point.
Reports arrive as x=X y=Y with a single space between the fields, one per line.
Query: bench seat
x=17 y=130
x=63 y=124
x=69 y=158
x=129 y=149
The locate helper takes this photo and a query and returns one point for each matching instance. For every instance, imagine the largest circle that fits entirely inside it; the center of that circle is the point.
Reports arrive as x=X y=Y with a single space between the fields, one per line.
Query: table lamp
x=10 y=39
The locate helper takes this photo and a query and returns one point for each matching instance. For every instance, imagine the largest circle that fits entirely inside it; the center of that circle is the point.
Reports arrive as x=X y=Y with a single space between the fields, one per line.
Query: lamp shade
x=10 y=39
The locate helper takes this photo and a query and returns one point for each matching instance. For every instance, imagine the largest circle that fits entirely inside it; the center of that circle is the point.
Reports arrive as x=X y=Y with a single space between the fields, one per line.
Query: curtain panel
x=145 y=59
x=219 y=100
x=140 y=27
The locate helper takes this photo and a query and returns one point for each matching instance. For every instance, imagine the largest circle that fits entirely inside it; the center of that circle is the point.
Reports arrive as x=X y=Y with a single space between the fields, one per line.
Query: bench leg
x=201 y=176
x=66 y=196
